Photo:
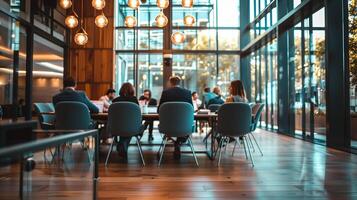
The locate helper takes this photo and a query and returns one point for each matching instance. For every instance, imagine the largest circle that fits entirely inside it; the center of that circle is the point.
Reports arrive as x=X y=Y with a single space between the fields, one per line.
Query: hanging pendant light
x=178 y=37
x=81 y=37
x=189 y=20
x=98 y=4
x=163 y=4
x=101 y=21
x=71 y=21
x=134 y=4
x=187 y=3
x=65 y=4
x=161 y=20
x=130 y=21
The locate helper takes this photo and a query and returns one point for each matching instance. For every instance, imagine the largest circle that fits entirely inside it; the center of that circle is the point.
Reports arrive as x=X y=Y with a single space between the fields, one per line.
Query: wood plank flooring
x=289 y=169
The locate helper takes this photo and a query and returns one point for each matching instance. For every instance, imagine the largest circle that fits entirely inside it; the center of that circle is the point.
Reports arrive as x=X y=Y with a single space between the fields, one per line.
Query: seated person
x=237 y=93
x=176 y=93
x=218 y=98
x=107 y=99
x=207 y=96
x=69 y=93
x=196 y=101
x=126 y=93
x=150 y=102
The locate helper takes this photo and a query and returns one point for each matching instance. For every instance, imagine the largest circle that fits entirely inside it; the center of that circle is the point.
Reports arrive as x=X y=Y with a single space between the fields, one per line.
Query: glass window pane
x=197 y=40
x=228 y=39
x=47 y=70
x=150 y=74
x=228 y=70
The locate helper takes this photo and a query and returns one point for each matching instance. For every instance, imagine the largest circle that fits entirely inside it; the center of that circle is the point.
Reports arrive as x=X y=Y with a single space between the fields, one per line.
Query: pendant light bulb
x=65 y=4
x=98 y=4
x=101 y=21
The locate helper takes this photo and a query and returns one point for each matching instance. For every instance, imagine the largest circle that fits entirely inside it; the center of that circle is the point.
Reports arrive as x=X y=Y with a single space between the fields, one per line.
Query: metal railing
x=21 y=149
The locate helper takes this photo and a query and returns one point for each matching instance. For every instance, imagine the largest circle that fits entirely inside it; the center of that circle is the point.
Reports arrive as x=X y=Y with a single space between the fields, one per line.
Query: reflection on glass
x=197 y=40
x=47 y=69
x=228 y=69
x=196 y=70
x=150 y=74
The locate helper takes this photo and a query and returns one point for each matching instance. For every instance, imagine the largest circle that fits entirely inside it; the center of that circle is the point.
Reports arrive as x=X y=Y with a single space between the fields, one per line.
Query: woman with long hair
x=237 y=93
x=126 y=93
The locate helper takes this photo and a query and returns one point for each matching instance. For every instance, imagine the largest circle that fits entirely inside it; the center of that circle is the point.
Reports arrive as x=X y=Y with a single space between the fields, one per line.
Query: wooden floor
x=289 y=169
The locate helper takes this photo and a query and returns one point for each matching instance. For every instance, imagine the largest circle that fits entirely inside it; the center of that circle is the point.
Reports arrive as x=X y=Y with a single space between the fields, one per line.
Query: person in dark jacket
x=126 y=94
x=150 y=102
x=176 y=93
x=69 y=93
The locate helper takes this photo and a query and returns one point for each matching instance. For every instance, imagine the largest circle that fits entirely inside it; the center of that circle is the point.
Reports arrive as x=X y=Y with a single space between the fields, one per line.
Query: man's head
x=147 y=94
x=217 y=91
x=194 y=95
x=111 y=93
x=207 y=89
x=174 y=81
x=69 y=83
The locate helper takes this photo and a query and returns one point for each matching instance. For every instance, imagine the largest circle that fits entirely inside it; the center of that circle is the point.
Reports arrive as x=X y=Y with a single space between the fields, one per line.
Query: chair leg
x=250 y=154
x=220 y=151
x=261 y=153
x=162 y=152
x=251 y=143
x=235 y=144
x=109 y=152
x=245 y=150
x=163 y=139
x=193 y=151
x=140 y=150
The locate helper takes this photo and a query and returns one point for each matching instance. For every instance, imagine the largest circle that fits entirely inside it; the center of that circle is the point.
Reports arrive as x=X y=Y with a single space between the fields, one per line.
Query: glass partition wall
x=286 y=64
x=31 y=58
x=208 y=57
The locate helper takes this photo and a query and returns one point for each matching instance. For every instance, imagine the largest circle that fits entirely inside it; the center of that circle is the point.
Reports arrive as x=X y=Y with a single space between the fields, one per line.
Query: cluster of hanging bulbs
x=161 y=20
x=71 y=21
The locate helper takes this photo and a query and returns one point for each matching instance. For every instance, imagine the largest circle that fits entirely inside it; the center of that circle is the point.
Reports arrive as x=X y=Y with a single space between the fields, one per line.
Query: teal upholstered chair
x=176 y=120
x=71 y=115
x=46 y=121
x=234 y=120
x=214 y=107
x=124 y=119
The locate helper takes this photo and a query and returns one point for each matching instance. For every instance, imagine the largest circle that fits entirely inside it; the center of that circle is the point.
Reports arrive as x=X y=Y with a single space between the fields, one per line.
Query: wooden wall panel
x=92 y=65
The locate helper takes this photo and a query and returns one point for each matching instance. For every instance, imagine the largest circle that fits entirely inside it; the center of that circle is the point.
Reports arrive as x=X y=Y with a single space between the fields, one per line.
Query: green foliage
x=353 y=41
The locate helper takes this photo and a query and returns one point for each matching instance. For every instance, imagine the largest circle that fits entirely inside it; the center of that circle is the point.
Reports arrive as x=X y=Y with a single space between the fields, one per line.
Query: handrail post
x=21 y=183
x=96 y=164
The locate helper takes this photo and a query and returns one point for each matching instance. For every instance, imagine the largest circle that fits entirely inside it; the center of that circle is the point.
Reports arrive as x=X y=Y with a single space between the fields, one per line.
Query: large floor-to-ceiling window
x=208 y=57
x=288 y=68
x=353 y=69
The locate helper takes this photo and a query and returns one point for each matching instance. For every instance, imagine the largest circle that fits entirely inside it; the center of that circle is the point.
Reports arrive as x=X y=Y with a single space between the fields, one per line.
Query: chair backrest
x=41 y=108
x=124 y=119
x=257 y=115
x=176 y=119
x=251 y=104
x=71 y=115
x=234 y=119
x=214 y=107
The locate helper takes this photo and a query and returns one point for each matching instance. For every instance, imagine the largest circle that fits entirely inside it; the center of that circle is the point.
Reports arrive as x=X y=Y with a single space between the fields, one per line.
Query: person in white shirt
x=196 y=101
x=107 y=99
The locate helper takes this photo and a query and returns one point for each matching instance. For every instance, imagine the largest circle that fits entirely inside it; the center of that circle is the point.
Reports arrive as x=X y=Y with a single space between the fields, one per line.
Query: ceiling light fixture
x=130 y=21
x=163 y=4
x=101 y=21
x=98 y=4
x=161 y=20
x=134 y=4
x=189 y=20
x=65 y=4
